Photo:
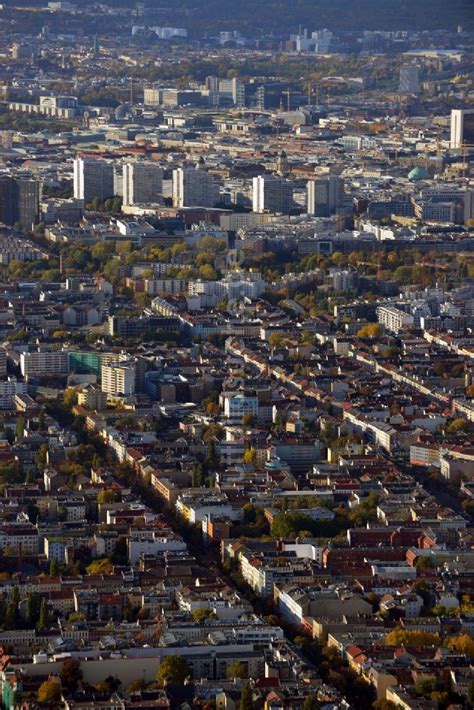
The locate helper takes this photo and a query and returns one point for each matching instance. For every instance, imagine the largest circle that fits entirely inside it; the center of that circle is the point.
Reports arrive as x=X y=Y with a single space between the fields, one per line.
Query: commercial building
x=272 y=194
x=93 y=178
x=409 y=79
x=19 y=200
x=462 y=127
x=323 y=195
x=142 y=182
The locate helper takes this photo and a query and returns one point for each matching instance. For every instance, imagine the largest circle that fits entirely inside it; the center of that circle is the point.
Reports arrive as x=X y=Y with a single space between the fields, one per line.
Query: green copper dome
x=418 y=173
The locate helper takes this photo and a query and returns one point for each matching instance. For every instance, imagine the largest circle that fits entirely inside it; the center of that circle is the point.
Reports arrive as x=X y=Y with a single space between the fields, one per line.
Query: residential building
x=142 y=183
x=93 y=179
x=118 y=378
x=272 y=193
x=193 y=187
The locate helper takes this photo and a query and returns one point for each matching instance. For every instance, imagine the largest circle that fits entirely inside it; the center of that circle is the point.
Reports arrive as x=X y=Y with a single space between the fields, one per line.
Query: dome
x=418 y=173
x=122 y=111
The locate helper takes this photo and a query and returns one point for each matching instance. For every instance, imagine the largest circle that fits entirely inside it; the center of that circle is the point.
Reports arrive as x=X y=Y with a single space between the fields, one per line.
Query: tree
x=424 y=562
x=42 y=421
x=54 y=568
x=207 y=273
x=136 y=685
x=20 y=427
x=250 y=456
x=76 y=616
x=12 y=615
x=49 y=691
x=108 y=496
x=202 y=614
x=236 y=669
x=42 y=457
x=470 y=694
x=370 y=331
x=173 y=669
x=383 y=705
x=399 y=636
x=33 y=604
x=98 y=567
x=248 y=420
x=246 y=699
x=71 y=674
x=457 y=425
x=311 y=702
x=275 y=339
x=462 y=644
x=425 y=686
x=44 y=620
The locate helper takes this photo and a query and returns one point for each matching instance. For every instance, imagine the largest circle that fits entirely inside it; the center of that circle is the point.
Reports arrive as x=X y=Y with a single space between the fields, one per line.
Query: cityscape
x=236 y=355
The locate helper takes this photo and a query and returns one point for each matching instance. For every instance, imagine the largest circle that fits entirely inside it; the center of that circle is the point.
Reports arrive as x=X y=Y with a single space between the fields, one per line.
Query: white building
x=394 y=319
x=44 y=362
x=462 y=127
x=140 y=543
x=193 y=187
x=142 y=183
x=118 y=378
x=237 y=405
x=8 y=390
x=272 y=194
x=93 y=178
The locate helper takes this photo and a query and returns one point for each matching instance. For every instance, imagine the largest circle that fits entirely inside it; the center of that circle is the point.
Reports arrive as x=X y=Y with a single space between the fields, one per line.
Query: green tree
x=70 y=397
x=42 y=421
x=32 y=610
x=383 y=704
x=470 y=694
x=44 y=620
x=71 y=674
x=457 y=425
x=236 y=669
x=12 y=615
x=49 y=691
x=98 y=567
x=202 y=614
x=20 y=427
x=54 y=568
x=425 y=686
x=173 y=669
x=311 y=702
x=246 y=699
x=108 y=496
x=248 y=420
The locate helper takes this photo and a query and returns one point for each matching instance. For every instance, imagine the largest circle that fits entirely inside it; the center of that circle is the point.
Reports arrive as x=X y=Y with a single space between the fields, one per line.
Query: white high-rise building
x=409 y=82
x=142 y=183
x=93 y=178
x=462 y=127
x=272 y=194
x=118 y=378
x=193 y=187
